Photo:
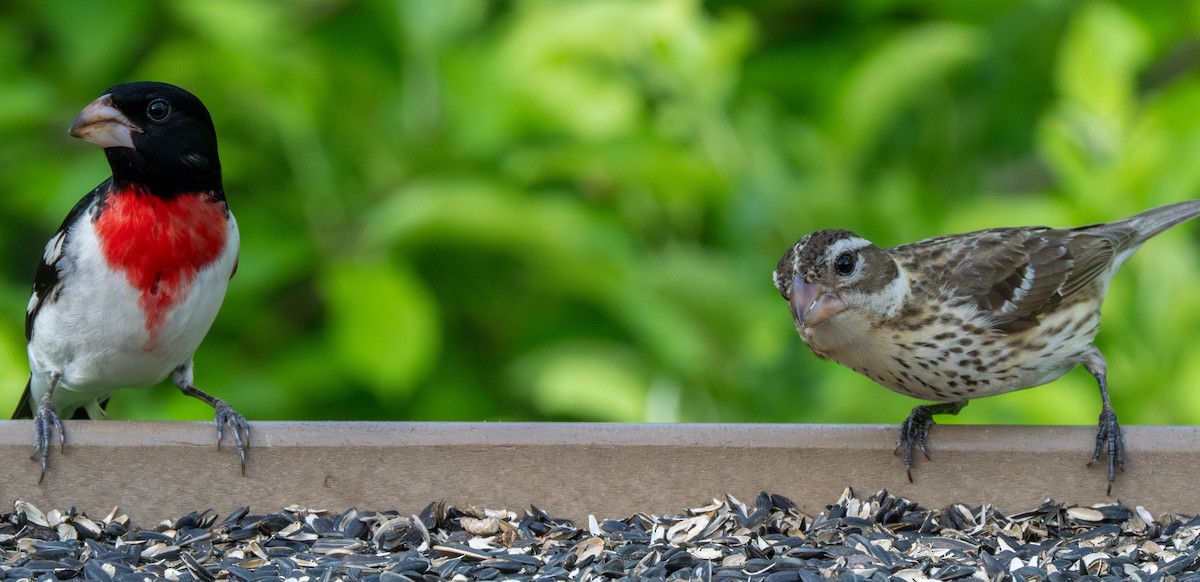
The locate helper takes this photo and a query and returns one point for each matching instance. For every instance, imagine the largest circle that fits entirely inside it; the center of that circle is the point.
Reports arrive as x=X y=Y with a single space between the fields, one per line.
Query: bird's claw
x=1110 y=441
x=913 y=433
x=45 y=422
x=915 y=429
x=226 y=415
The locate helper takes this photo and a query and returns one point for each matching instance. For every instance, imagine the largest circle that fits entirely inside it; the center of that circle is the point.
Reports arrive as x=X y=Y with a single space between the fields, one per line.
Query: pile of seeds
x=881 y=537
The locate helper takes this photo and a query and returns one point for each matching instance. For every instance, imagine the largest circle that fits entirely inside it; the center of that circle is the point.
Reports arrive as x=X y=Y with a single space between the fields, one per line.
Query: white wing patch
x=1020 y=291
x=54 y=248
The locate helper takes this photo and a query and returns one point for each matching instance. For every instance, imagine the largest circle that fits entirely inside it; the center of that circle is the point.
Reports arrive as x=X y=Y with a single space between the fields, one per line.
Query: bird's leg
x=45 y=422
x=1108 y=436
x=224 y=413
x=915 y=429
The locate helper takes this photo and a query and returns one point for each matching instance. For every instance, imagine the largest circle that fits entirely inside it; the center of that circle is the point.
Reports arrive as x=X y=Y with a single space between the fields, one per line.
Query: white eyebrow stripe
x=847 y=245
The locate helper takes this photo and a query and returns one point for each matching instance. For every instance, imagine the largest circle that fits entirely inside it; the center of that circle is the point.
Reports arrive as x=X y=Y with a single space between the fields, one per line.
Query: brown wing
x=1016 y=274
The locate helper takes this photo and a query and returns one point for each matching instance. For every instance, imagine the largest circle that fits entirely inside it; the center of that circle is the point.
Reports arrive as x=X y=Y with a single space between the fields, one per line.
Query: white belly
x=94 y=333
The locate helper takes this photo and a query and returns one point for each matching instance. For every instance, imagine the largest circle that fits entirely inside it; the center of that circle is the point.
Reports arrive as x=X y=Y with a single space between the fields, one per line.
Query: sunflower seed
x=874 y=537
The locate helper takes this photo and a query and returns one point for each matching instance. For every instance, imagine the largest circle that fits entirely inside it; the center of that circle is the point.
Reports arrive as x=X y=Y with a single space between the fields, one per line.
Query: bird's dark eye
x=158 y=109
x=844 y=264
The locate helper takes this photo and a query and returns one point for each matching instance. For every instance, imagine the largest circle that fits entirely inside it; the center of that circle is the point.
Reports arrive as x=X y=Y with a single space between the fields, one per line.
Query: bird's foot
x=45 y=422
x=226 y=415
x=1110 y=441
x=914 y=432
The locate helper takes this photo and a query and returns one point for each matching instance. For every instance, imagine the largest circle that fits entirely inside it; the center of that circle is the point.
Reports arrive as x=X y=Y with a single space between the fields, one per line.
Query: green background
x=465 y=210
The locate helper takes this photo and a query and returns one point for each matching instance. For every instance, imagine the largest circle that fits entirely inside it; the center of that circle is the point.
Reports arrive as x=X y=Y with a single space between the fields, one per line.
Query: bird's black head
x=155 y=135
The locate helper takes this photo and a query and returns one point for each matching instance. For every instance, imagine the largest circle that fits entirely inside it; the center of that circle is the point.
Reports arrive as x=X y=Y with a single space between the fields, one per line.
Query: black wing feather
x=25 y=405
x=48 y=278
x=49 y=273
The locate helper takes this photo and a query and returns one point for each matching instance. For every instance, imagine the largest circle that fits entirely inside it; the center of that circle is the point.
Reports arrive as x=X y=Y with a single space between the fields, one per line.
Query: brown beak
x=104 y=125
x=812 y=304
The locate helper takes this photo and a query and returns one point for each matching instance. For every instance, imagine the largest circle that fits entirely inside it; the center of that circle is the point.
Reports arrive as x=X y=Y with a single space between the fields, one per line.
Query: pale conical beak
x=104 y=125
x=812 y=304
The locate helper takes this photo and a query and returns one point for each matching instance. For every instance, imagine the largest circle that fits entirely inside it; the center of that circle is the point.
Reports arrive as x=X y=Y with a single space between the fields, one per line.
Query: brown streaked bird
x=968 y=315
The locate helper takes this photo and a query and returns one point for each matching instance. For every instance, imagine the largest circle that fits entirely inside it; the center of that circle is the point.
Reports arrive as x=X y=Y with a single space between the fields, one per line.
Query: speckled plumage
x=964 y=316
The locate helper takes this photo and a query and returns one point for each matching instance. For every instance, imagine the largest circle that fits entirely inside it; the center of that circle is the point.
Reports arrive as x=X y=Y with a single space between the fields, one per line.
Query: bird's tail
x=25 y=406
x=1157 y=220
x=1131 y=232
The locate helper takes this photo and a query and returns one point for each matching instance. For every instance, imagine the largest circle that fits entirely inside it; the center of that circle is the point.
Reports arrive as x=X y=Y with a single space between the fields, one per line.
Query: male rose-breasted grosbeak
x=134 y=277
x=969 y=315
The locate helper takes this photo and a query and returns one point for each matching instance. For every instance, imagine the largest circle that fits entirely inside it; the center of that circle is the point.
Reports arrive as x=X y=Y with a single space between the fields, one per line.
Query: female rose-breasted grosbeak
x=134 y=278
x=969 y=315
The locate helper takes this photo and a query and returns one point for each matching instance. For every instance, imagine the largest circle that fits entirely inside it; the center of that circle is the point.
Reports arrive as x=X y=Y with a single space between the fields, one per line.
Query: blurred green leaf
x=384 y=324
x=891 y=76
x=588 y=381
x=1102 y=52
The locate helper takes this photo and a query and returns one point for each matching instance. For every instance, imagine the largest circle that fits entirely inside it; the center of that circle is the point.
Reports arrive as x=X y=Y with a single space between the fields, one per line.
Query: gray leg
x=45 y=422
x=224 y=413
x=915 y=429
x=1108 y=436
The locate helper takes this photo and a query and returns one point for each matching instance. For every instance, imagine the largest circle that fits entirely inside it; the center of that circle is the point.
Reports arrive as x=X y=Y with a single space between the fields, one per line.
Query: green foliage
x=570 y=210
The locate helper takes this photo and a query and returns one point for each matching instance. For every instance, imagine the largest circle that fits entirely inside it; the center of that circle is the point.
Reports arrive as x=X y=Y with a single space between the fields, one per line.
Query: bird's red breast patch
x=160 y=244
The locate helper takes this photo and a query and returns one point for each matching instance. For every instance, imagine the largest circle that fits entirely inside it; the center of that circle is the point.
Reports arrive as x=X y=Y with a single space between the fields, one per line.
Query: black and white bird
x=965 y=316
x=133 y=279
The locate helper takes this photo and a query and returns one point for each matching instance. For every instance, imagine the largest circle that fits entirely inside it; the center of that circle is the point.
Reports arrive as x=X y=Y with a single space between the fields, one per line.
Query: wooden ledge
x=160 y=470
